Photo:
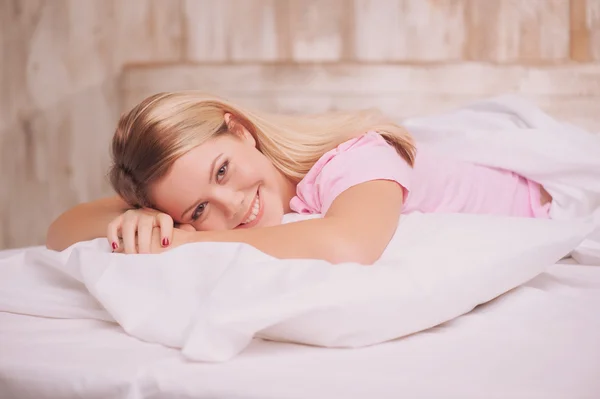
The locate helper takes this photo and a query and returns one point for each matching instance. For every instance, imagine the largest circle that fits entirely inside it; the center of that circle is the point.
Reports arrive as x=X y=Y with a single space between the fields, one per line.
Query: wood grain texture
x=267 y=30
x=58 y=108
x=319 y=31
x=409 y=30
x=349 y=79
x=401 y=91
x=18 y=22
x=585 y=30
x=53 y=160
x=507 y=31
x=579 y=31
x=53 y=50
x=149 y=30
x=235 y=30
x=593 y=24
x=531 y=31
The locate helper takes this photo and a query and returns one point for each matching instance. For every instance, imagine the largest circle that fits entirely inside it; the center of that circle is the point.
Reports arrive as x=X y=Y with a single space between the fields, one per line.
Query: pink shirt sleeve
x=359 y=160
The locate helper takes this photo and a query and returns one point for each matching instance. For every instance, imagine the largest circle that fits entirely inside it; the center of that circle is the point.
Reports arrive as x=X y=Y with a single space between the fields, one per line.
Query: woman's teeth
x=255 y=209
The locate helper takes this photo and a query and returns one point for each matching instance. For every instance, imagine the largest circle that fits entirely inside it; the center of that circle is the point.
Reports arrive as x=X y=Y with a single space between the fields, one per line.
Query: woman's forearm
x=326 y=239
x=84 y=222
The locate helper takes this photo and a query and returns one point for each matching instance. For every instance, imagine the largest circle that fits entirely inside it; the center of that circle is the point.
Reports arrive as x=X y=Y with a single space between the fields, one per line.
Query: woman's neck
x=288 y=191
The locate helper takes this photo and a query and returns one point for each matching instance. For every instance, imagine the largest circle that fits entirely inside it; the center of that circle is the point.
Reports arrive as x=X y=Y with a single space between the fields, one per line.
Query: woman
x=220 y=172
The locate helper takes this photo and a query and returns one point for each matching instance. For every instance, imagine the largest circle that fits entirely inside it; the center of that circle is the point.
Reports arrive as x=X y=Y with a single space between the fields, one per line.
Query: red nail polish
x=165 y=242
x=114 y=246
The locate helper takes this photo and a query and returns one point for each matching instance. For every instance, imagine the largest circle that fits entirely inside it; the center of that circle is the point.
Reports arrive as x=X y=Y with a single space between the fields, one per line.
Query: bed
x=539 y=340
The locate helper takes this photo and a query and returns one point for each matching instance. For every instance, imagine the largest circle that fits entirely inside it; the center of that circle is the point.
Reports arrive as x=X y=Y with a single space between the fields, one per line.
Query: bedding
x=508 y=132
x=211 y=299
x=540 y=340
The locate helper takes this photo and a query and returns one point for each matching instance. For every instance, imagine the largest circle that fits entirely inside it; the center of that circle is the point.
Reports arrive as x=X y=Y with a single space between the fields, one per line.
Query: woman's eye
x=198 y=211
x=222 y=171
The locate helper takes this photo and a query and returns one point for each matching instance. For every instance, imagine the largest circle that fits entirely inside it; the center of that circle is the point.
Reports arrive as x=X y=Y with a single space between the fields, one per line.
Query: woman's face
x=223 y=184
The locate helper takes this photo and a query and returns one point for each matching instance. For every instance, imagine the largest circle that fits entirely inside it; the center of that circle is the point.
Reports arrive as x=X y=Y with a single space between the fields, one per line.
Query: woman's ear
x=227 y=117
x=237 y=128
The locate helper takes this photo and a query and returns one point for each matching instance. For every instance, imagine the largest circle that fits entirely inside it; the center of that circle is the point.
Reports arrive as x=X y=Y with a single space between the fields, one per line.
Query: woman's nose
x=233 y=202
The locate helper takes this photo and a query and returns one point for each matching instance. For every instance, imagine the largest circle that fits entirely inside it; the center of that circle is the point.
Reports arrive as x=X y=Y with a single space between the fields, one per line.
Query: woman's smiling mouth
x=254 y=214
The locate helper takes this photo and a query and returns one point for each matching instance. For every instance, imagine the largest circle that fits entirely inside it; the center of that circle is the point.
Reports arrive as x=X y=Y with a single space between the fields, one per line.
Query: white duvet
x=210 y=299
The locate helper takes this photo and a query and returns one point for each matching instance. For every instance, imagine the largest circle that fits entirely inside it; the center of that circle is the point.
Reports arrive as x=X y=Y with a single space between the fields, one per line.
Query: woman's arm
x=84 y=222
x=357 y=228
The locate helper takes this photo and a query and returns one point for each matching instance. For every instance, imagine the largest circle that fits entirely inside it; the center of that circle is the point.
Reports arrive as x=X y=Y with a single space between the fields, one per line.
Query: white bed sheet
x=541 y=340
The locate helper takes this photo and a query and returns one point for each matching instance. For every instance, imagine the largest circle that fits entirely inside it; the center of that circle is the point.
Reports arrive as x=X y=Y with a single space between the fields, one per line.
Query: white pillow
x=210 y=299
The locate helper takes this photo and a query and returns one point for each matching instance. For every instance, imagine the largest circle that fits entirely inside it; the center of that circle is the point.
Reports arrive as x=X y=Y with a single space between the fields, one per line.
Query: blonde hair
x=165 y=126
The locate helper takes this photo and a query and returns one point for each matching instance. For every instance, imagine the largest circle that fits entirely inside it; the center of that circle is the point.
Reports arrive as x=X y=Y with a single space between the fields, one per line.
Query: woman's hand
x=180 y=236
x=132 y=232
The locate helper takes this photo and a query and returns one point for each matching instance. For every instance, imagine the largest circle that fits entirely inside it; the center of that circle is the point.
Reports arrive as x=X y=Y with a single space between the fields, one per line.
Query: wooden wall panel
x=149 y=30
x=409 y=30
x=53 y=50
x=17 y=25
x=585 y=30
x=320 y=32
x=53 y=160
x=234 y=30
x=593 y=23
x=354 y=79
x=507 y=31
x=313 y=30
x=267 y=30
x=59 y=105
x=401 y=91
x=512 y=31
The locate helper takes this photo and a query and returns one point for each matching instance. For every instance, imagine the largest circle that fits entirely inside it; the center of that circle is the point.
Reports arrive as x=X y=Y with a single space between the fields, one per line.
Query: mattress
x=540 y=340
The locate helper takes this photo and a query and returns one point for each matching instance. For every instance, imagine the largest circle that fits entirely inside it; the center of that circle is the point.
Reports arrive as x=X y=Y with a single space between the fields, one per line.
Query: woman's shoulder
x=364 y=142
x=368 y=139
x=360 y=159
x=370 y=146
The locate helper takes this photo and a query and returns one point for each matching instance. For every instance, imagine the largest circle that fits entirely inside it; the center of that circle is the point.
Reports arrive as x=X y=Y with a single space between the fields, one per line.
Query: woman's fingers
x=144 y=233
x=165 y=222
x=128 y=233
x=133 y=231
x=112 y=232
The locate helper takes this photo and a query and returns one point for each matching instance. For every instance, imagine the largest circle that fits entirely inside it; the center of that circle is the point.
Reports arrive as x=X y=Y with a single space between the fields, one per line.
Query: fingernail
x=114 y=246
x=165 y=242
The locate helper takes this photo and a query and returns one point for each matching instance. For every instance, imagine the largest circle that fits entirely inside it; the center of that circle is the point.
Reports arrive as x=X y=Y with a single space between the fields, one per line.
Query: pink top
x=436 y=183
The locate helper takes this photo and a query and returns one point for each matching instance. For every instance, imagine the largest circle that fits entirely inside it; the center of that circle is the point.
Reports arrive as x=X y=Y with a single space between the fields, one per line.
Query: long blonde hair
x=165 y=126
